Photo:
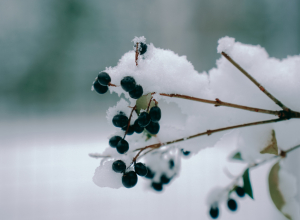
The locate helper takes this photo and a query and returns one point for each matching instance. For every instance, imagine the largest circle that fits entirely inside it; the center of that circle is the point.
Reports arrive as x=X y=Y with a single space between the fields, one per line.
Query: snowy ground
x=46 y=173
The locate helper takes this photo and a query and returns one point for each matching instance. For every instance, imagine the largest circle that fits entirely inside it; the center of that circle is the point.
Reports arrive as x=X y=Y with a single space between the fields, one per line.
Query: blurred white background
x=50 y=53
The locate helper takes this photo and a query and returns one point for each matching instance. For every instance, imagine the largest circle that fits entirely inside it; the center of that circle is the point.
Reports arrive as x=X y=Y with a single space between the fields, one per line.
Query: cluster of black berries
x=129 y=85
x=231 y=203
x=102 y=82
x=129 y=179
x=164 y=179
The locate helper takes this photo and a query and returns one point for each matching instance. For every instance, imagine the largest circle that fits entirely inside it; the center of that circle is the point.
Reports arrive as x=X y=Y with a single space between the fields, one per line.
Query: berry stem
x=218 y=102
x=137 y=54
x=255 y=82
x=208 y=132
x=129 y=121
x=149 y=103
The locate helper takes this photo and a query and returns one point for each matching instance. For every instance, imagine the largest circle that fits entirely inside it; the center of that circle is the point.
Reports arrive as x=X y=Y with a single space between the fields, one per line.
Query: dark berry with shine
x=137 y=92
x=157 y=186
x=129 y=179
x=214 y=212
x=119 y=166
x=104 y=79
x=150 y=174
x=128 y=83
x=240 y=191
x=185 y=153
x=164 y=179
x=130 y=129
x=140 y=169
x=232 y=205
x=155 y=114
x=153 y=127
x=113 y=141
x=143 y=48
x=138 y=129
x=99 y=88
x=120 y=120
x=144 y=119
x=122 y=146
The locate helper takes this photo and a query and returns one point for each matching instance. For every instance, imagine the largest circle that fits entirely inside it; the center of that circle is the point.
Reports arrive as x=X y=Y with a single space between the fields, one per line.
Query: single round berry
x=144 y=119
x=164 y=179
x=119 y=166
x=140 y=169
x=130 y=129
x=129 y=179
x=99 y=88
x=240 y=191
x=155 y=114
x=143 y=48
x=122 y=146
x=153 y=127
x=157 y=186
x=185 y=153
x=150 y=174
x=128 y=83
x=104 y=79
x=138 y=129
x=120 y=120
x=113 y=141
x=214 y=212
x=137 y=92
x=232 y=205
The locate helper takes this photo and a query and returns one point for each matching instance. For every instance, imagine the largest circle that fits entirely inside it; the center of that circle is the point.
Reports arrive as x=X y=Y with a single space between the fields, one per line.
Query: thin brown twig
x=208 y=132
x=129 y=121
x=137 y=54
x=255 y=82
x=218 y=102
x=149 y=103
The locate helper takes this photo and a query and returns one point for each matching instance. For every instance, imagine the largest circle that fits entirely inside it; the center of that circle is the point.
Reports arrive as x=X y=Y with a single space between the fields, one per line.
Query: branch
x=208 y=132
x=129 y=121
x=220 y=103
x=255 y=82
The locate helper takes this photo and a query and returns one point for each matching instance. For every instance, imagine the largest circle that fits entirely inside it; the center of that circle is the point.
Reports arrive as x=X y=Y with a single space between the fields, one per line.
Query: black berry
x=129 y=179
x=157 y=186
x=119 y=166
x=99 y=88
x=137 y=92
x=120 y=120
x=232 y=205
x=240 y=191
x=122 y=146
x=104 y=79
x=164 y=179
x=140 y=169
x=130 y=129
x=185 y=153
x=113 y=141
x=128 y=83
x=138 y=129
x=214 y=212
x=150 y=174
x=153 y=127
x=155 y=114
x=142 y=48
x=171 y=164
x=144 y=119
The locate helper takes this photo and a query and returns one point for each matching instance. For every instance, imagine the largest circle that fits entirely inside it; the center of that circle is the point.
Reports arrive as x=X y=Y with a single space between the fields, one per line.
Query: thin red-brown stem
x=149 y=103
x=137 y=54
x=218 y=102
x=208 y=132
x=255 y=82
x=110 y=84
x=129 y=121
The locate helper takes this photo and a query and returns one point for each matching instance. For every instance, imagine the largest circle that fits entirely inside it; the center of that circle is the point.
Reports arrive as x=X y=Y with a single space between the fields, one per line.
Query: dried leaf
x=272 y=147
x=275 y=193
x=247 y=183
